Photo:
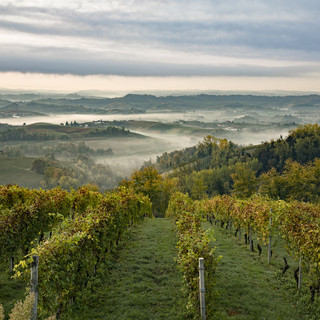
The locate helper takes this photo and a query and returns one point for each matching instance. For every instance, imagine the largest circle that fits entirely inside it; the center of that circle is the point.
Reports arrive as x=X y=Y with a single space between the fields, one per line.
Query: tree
x=244 y=181
x=273 y=184
x=39 y=165
x=196 y=187
x=149 y=182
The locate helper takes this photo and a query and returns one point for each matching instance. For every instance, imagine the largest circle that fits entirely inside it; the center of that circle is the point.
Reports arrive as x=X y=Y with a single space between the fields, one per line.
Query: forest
x=285 y=169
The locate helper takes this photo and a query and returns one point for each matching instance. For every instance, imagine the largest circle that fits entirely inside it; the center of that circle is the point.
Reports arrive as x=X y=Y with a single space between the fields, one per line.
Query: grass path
x=142 y=281
x=251 y=289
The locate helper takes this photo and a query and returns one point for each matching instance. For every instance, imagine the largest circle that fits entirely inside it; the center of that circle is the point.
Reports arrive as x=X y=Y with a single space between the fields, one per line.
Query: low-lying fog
x=80 y=118
x=131 y=153
x=215 y=116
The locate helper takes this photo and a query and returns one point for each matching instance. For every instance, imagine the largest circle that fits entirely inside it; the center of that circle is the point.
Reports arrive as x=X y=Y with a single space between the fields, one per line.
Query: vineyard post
x=202 y=289
x=229 y=226
x=34 y=285
x=11 y=260
x=239 y=233
x=269 y=244
x=300 y=274
x=251 y=241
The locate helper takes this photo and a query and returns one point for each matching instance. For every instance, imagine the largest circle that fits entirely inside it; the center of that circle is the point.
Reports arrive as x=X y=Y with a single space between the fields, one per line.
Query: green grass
x=251 y=289
x=17 y=171
x=11 y=290
x=141 y=282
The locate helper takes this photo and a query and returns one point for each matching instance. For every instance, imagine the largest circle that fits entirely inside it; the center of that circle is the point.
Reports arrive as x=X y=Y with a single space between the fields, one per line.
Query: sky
x=127 y=45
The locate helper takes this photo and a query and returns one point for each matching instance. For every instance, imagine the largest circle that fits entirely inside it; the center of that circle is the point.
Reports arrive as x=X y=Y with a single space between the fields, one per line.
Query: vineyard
x=70 y=232
x=298 y=224
x=77 y=233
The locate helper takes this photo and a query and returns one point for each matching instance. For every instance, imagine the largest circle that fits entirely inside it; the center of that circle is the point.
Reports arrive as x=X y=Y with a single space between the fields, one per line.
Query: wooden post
x=300 y=274
x=230 y=224
x=239 y=233
x=269 y=244
x=11 y=264
x=34 y=285
x=251 y=241
x=202 y=289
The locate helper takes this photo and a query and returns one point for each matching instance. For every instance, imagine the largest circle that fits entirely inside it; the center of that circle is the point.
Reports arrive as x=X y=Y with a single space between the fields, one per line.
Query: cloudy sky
x=160 y=45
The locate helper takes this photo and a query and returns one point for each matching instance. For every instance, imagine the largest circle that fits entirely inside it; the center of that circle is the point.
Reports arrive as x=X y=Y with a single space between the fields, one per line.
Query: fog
x=165 y=142
x=168 y=117
x=81 y=118
x=130 y=153
x=248 y=137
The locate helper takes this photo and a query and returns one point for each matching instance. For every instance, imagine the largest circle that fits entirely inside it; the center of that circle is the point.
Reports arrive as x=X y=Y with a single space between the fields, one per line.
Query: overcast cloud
x=161 y=38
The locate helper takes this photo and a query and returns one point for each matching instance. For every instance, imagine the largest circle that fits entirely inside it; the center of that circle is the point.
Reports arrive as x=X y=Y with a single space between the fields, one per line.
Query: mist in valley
x=82 y=118
x=129 y=154
x=173 y=123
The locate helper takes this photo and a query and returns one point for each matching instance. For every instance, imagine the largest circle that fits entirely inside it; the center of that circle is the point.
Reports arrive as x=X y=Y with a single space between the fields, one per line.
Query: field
x=18 y=171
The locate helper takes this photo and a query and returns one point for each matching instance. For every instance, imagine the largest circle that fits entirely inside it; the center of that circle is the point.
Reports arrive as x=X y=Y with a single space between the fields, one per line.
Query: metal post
x=34 y=285
x=202 y=289
x=269 y=244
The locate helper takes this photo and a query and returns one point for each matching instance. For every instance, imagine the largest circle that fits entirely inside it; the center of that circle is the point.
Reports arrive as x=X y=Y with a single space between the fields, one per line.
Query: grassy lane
x=142 y=281
x=251 y=289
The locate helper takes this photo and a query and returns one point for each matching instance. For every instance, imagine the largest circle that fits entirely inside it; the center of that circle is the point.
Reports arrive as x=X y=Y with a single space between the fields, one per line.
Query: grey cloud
x=84 y=65
x=266 y=30
x=203 y=37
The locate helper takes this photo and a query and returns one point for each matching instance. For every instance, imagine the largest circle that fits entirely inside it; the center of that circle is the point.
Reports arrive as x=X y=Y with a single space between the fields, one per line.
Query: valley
x=147 y=125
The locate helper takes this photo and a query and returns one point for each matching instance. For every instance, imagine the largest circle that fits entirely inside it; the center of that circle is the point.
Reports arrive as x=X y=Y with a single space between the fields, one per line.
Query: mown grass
x=140 y=282
x=251 y=289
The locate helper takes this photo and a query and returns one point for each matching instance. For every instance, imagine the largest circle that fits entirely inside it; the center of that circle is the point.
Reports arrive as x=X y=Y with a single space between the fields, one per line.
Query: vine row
x=298 y=223
x=80 y=243
x=193 y=243
x=26 y=215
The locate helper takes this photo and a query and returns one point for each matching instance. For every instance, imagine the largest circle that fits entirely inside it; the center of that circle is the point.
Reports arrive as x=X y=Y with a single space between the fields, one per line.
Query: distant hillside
x=302 y=145
x=169 y=128
x=283 y=169
x=246 y=119
x=47 y=131
x=38 y=107
x=18 y=171
x=135 y=103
